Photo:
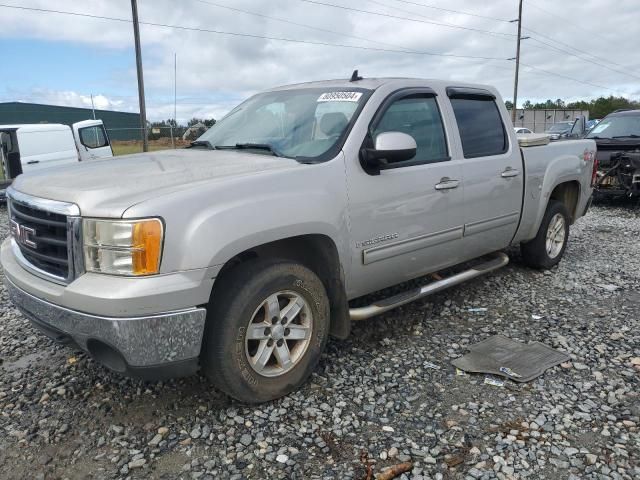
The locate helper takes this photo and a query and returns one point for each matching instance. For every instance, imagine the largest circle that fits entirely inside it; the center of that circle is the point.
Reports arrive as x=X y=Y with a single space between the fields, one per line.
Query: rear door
x=407 y=220
x=492 y=171
x=92 y=140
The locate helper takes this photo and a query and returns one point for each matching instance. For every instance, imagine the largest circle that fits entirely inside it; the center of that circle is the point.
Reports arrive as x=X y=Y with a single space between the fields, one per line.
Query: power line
x=305 y=25
x=567 y=52
x=447 y=24
x=425 y=5
x=566 y=20
x=248 y=35
x=573 y=48
x=535 y=39
x=297 y=24
x=397 y=17
x=584 y=82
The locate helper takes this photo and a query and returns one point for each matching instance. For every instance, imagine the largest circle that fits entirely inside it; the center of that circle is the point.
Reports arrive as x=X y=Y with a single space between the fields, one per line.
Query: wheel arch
x=567 y=193
x=319 y=253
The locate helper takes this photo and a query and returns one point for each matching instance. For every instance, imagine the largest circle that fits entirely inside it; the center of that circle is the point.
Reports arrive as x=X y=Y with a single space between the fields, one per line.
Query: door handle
x=510 y=172
x=447 y=183
x=31 y=162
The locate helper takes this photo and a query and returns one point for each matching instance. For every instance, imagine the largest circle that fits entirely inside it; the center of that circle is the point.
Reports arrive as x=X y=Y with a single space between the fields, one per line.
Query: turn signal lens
x=123 y=247
x=147 y=241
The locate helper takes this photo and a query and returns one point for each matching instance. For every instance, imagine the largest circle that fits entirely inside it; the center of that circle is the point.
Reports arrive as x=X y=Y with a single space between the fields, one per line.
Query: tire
x=538 y=253
x=248 y=334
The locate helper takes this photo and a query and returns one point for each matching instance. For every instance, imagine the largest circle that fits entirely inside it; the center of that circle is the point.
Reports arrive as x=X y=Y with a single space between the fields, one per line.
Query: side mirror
x=390 y=147
x=579 y=127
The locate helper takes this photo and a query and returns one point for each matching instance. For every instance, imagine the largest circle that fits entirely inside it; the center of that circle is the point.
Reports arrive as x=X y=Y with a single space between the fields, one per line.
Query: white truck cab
x=29 y=147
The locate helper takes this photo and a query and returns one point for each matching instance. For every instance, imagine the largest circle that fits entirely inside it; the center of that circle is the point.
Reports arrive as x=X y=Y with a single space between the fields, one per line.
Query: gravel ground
x=374 y=401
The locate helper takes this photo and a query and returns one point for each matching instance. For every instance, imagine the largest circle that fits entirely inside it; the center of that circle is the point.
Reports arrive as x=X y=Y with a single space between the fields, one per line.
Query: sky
x=577 y=49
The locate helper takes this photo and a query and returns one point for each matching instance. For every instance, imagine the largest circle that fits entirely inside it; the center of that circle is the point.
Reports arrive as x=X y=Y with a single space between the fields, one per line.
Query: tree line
x=598 y=107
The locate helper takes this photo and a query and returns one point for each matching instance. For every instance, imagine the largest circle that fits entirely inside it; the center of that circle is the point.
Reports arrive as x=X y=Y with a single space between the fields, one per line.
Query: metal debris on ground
x=431 y=365
x=499 y=355
x=460 y=373
x=510 y=372
x=496 y=382
x=477 y=310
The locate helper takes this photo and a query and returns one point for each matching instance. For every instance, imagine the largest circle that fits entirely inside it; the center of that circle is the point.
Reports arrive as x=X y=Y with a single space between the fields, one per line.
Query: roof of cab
x=35 y=127
x=374 y=83
x=625 y=113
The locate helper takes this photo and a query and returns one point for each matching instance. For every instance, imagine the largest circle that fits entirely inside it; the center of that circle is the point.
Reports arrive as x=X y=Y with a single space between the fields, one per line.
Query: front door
x=408 y=220
x=492 y=172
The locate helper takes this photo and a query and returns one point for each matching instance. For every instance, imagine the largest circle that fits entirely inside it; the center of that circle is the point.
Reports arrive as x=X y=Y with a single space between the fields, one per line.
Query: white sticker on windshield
x=340 y=97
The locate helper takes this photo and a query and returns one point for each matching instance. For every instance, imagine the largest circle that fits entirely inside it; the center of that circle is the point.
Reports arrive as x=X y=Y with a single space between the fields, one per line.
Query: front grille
x=45 y=246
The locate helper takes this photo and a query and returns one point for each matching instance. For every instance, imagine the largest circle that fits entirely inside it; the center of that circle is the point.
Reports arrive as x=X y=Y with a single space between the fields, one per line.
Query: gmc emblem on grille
x=23 y=235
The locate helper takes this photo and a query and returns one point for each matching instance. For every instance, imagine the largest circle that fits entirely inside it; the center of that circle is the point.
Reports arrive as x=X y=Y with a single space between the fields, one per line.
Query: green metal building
x=120 y=125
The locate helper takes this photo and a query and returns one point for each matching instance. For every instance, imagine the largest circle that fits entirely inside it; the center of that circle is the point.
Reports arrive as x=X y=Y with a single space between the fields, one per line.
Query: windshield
x=559 y=127
x=301 y=123
x=618 y=126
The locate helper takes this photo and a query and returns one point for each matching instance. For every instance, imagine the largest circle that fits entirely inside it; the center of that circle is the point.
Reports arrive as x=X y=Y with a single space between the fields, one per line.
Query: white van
x=29 y=147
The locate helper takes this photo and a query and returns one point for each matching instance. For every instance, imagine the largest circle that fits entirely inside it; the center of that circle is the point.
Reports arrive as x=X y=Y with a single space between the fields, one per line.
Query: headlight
x=122 y=247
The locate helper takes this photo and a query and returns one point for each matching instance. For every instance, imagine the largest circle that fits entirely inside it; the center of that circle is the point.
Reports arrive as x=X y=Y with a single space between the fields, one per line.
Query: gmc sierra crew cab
x=240 y=255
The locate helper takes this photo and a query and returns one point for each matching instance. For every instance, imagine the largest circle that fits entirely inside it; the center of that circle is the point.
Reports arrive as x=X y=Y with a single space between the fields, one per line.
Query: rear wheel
x=267 y=325
x=547 y=248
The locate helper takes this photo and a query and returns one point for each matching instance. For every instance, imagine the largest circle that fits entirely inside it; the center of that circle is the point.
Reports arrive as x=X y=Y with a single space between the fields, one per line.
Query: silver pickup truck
x=240 y=255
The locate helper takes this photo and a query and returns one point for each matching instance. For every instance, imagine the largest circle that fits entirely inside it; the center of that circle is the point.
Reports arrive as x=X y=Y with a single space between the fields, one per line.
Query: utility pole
x=143 y=109
x=93 y=107
x=515 y=83
x=175 y=83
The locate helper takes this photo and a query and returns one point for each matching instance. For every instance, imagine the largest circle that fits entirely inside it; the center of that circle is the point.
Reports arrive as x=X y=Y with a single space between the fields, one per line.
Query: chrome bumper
x=141 y=342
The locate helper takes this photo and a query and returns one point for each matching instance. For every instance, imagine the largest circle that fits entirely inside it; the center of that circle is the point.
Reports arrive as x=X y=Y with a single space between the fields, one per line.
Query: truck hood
x=108 y=187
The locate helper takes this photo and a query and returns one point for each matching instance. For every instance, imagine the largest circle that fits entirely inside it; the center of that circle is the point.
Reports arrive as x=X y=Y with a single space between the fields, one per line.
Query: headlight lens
x=122 y=247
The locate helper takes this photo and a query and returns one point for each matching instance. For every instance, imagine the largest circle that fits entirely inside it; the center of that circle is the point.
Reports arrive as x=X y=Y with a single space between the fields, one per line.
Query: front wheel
x=548 y=247
x=267 y=326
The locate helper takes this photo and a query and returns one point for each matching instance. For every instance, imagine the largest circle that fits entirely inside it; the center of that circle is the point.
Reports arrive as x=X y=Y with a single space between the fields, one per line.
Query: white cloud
x=72 y=99
x=216 y=70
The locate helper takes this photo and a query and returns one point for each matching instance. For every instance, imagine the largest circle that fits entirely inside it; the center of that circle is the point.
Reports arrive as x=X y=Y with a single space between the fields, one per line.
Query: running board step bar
x=499 y=260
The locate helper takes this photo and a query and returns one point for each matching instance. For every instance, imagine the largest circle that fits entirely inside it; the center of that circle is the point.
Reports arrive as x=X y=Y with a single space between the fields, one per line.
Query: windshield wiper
x=633 y=135
x=250 y=146
x=203 y=143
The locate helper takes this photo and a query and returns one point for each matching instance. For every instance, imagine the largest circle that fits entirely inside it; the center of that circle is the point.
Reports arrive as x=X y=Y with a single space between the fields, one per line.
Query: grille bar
x=42 y=237
x=28 y=252
x=34 y=219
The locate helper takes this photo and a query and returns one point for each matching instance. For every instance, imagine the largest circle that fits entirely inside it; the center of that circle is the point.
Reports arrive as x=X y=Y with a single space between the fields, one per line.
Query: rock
x=282 y=458
x=245 y=440
x=140 y=462
x=590 y=459
x=156 y=440
x=195 y=433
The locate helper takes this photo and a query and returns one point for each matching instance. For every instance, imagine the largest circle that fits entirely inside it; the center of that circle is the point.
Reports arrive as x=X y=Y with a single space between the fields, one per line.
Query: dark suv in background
x=618 y=139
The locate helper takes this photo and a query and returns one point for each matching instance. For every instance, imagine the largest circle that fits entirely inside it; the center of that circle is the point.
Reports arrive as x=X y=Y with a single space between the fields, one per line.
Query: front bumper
x=165 y=344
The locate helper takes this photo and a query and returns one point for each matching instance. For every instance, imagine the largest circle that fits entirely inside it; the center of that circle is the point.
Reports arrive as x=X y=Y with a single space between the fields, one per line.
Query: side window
x=480 y=125
x=93 y=137
x=418 y=116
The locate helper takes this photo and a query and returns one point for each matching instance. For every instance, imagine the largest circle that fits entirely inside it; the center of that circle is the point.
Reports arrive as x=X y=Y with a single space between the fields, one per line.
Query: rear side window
x=93 y=137
x=481 y=129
